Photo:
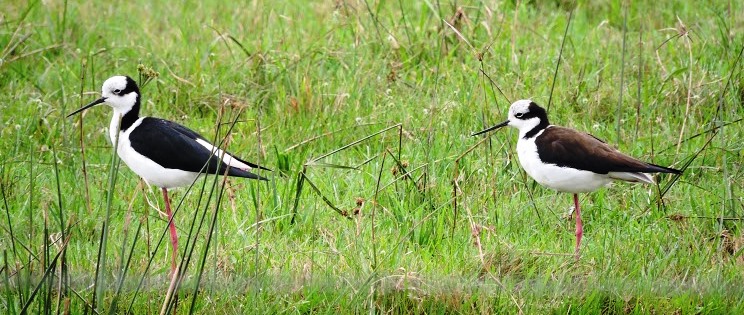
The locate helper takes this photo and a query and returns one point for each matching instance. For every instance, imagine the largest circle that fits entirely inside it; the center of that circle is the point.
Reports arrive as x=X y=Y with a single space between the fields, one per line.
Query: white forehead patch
x=118 y=82
x=520 y=106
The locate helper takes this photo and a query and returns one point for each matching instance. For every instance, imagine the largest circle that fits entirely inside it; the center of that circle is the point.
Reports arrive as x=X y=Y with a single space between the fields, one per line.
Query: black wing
x=174 y=146
x=569 y=148
x=193 y=135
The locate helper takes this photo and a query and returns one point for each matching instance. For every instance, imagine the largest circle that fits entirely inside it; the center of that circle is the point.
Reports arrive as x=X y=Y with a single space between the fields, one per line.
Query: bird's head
x=523 y=115
x=119 y=92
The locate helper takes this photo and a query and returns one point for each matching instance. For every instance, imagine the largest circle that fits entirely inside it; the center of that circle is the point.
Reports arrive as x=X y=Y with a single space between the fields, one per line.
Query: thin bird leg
x=172 y=227
x=579 y=226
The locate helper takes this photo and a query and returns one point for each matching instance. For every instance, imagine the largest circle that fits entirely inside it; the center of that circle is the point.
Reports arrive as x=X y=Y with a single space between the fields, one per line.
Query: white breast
x=562 y=179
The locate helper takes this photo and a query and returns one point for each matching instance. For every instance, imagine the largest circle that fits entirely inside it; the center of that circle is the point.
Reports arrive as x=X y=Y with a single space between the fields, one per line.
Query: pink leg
x=172 y=227
x=579 y=226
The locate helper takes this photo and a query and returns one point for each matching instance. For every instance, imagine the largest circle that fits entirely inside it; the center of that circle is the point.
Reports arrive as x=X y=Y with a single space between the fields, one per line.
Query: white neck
x=114 y=125
x=526 y=126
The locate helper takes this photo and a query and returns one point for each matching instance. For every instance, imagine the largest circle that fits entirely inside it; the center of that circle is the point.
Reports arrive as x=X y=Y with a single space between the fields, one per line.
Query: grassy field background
x=380 y=201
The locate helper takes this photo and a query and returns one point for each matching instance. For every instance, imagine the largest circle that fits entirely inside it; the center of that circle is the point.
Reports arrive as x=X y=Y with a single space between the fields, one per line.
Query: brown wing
x=569 y=148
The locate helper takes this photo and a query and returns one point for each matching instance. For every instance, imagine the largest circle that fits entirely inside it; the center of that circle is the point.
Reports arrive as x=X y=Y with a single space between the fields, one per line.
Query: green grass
x=315 y=77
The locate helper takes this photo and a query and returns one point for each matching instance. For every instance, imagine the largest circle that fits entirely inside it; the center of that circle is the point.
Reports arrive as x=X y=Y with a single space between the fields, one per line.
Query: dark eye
x=117 y=91
x=518 y=115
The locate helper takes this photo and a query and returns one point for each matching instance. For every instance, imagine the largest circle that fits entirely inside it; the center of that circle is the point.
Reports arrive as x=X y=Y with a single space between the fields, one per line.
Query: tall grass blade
x=325 y=199
x=125 y=269
x=86 y=187
x=210 y=232
x=100 y=278
x=621 y=89
x=46 y=304
x=9 y=298
x=373 y=229
x=639 y=85
x=49 y=270
x=7 y=215
x=63 y=291
x=298 y=191
x=358 y=141
x=560 y=57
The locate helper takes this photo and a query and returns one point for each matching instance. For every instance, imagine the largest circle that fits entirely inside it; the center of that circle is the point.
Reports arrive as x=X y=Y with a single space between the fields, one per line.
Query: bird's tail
x=632 y=177
x=653 y=168
x=237 y=172
x=640 y=174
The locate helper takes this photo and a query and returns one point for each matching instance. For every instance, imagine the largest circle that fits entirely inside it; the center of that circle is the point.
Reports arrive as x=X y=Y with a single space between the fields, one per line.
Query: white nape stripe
x=227 y=158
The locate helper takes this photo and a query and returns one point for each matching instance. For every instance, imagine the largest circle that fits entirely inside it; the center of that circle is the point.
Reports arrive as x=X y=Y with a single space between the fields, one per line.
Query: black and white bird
x=162 y=152
x=570 y=161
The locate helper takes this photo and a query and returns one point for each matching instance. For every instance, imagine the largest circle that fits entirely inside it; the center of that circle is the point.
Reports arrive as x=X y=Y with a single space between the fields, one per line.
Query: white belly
x=562 y=179
x=151 y=172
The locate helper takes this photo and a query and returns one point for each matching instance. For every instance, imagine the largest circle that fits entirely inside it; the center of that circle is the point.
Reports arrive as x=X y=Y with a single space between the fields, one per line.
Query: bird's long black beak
x=94 y=103
x=491 y=128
